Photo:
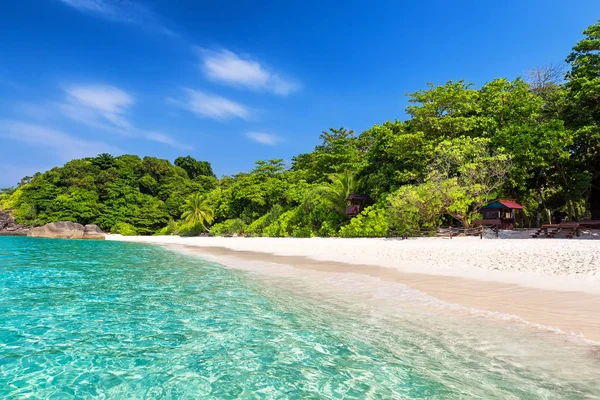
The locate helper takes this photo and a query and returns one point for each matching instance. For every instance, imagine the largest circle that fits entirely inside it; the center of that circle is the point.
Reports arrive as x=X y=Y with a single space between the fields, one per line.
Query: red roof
x=510 y=204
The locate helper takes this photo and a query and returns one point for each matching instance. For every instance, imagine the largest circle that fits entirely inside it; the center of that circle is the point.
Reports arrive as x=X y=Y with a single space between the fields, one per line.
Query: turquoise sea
x=114 y=320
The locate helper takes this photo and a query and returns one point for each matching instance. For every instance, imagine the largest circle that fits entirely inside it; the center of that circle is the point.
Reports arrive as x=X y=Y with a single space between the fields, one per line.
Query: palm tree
x=336 y=191
x=197 y=211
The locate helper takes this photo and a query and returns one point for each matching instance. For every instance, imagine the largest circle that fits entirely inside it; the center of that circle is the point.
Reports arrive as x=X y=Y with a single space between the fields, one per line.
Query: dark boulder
x=8 y=227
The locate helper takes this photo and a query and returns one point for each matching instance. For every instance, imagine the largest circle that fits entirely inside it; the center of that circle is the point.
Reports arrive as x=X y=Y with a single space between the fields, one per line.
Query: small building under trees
x=501 y=213
x=356 y=203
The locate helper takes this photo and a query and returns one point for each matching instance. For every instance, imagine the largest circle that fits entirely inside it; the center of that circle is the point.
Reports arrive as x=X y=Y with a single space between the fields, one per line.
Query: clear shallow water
x=117 y=320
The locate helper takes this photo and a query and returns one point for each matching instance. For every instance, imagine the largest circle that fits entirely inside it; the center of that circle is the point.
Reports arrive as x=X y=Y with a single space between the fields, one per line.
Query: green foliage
x=197 y=211
x=144 y=193
x=193 y=167
x=372 y=222
x=123 y=228
x=230 y=227
x=258 y=225
x=414 y=208
x=172 y=228
x=337 y=152
x=461 y=146
x=291 y=223
x=582 y=109
x=335 y=192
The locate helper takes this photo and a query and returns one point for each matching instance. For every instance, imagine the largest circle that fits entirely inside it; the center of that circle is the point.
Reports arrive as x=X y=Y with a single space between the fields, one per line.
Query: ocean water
x=114 y=320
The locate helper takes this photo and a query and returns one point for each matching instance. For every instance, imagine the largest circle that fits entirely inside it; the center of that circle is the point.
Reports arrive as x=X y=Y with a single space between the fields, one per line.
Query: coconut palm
x=196 y=211
x=336 y=191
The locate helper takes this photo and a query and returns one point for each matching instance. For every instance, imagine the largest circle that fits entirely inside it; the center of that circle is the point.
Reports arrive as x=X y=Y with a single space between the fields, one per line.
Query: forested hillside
x=123 y=194
x=536 y=139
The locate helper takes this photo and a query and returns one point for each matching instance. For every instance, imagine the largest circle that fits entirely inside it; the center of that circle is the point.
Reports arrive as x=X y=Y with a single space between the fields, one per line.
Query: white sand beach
x=550 y=282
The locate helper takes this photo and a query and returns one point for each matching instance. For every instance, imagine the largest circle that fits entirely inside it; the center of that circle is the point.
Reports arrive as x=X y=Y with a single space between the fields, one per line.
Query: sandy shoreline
x=553 y=283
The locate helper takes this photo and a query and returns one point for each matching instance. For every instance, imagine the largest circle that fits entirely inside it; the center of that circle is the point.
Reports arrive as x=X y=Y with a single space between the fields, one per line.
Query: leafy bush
x=282 y=226
x=10 y=200
x=414 y=208
x=327 y=229
x=229 y=227
x=172 y=228
x=191 y=230
x=123 y=228
x=372 y=222
x=257 y=226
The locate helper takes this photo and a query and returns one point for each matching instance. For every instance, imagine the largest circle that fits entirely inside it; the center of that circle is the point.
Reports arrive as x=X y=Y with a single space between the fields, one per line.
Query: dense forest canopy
x=535 y=139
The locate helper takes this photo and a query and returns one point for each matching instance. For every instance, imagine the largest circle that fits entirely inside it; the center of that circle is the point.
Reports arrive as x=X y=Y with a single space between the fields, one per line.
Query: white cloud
x=165 y=139
x=211 y=106
x=264 y=138
x=124 y=11
x=107 y=107
x=108 y=102
x=64 y=146
x=229 y=68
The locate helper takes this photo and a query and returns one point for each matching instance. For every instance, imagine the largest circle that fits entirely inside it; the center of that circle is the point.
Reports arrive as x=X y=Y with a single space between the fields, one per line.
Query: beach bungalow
x=356 y=203
x=501 y=213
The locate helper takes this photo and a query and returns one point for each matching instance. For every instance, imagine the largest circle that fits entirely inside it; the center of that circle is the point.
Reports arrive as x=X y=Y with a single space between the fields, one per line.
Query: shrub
x=257 y=226
x=327 y=229
x=372 y=222
x=282 y=226
x=172 y=228
x=123 y=228
x=229 y=227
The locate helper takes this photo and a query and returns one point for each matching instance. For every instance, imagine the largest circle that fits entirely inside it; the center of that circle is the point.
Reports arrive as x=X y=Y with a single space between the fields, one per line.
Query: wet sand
x=571 y=312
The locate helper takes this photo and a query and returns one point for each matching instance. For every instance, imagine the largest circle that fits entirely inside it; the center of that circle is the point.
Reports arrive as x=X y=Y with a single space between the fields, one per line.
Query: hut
x=501 y=213
x=356 y=203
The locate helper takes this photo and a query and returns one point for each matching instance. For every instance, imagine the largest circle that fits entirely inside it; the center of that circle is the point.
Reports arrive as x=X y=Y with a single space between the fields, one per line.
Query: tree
x=393 y=156
x=337 y=152
x=582 y=113
x=193 y=167
x=336 y=191
x=467 y=176
x=196 y=211
x=446 y=111
x=545 y=79
x=463 y=177
x=103 y=161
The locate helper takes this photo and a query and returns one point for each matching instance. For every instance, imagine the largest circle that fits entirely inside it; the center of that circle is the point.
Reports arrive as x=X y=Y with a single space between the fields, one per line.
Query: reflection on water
x=119 y=320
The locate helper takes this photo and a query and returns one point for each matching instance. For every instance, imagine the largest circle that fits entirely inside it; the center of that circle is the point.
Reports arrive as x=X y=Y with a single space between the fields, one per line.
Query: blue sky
x=231 y=82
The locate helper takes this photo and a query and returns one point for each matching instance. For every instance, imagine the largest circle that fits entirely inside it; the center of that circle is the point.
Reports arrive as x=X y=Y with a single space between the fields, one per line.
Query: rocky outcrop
x=62 y=230
x=8 y=227
x=67 y=230
x=92 y=231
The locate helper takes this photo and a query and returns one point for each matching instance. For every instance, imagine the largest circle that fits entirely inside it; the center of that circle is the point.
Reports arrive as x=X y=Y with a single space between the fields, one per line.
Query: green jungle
x=535 y=139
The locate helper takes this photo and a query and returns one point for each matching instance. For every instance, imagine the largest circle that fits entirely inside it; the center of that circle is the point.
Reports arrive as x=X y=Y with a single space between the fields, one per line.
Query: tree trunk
x=595 y=198
x=543 y=204
x=571 y=210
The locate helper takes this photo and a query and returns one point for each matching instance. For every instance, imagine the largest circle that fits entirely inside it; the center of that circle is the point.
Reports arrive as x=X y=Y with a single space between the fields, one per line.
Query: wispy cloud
x=102 y=101
x=165 y=139
x=107 y=107
x=208 y=105
x=64 y=146
x=264 y=138
x=232 y=69
x=124 y=11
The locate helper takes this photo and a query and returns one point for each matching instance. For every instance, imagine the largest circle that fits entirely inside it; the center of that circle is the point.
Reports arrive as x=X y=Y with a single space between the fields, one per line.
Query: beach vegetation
x=123 y=228
x=371 y=222
x=535 y=139
x=197 y=211
x=335 y=191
